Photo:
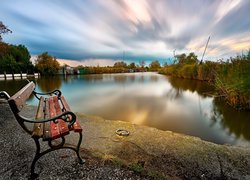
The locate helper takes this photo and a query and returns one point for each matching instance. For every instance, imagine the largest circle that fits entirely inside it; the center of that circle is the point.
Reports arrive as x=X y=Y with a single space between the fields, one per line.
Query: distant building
x=68 y=70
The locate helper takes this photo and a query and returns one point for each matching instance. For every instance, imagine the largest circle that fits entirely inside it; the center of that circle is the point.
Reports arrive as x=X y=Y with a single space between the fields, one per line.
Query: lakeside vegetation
x=120 y=67
x=231 y=78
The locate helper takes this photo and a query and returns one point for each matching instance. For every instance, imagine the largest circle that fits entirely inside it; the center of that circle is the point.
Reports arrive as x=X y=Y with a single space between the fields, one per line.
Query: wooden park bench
x=54 y=120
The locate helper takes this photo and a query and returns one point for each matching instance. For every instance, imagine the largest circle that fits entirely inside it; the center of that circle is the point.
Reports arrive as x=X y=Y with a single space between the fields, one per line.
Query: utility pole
x=174 y=56
x=205 y=50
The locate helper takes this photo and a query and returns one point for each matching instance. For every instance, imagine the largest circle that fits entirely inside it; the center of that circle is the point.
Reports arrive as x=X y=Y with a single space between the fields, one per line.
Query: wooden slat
x=17 y=101
x=46 y=126
x=65 y=104
x=54 y=128
x=38 y=127
x=76 y=126
x=63 y=127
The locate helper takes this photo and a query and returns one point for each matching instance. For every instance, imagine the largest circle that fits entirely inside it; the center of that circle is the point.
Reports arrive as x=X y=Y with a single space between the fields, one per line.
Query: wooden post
x=5 y=75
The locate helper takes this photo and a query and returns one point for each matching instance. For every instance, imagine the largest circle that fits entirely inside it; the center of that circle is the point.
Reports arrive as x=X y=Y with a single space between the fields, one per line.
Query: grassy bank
x=233 y=82
x=231 y=79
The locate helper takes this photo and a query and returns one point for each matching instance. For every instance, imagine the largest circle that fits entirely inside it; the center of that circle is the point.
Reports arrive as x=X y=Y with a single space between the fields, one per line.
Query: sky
x=100 y=32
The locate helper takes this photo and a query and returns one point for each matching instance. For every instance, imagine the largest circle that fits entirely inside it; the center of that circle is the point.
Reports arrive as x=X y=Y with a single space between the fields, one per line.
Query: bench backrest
x=17 y=101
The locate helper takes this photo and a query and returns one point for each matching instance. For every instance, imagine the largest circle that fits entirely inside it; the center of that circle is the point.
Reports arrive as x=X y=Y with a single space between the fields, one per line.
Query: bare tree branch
x=3 y=30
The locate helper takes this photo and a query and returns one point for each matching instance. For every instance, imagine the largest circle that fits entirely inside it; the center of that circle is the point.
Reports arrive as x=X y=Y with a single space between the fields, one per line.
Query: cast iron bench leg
x=40 y=154
x=37 y=156
x=80 y=160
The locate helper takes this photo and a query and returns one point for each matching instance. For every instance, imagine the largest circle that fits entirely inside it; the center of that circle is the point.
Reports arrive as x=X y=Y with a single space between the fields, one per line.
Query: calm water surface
x=150 y=99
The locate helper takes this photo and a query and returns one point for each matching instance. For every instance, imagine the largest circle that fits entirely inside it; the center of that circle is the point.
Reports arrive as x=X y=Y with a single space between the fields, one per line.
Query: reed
x=233 y=82
x=231 y=79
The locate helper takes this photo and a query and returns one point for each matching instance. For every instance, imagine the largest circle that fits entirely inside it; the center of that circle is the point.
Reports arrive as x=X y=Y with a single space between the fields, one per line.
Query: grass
x=233 y=82
x=138 y=168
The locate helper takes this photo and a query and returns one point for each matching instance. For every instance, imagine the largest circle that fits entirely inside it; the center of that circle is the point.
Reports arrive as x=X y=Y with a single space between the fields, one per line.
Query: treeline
x=120 y=67
x=101 y=70
x=231 y=78
x=15 y=59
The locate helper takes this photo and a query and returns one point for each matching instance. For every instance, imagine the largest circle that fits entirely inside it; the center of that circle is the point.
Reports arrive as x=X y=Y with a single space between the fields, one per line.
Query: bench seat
x=48 y=108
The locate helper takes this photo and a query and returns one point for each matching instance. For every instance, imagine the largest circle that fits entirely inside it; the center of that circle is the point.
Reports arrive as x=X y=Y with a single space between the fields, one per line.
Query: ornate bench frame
x=17 y=102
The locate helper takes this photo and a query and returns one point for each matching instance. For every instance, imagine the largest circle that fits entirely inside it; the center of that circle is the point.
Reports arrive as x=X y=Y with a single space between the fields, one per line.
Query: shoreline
x=172 y=154
x=165 y=153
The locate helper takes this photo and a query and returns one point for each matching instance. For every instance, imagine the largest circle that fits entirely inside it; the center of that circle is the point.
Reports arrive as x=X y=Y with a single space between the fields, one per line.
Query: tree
x=192 y=58
x=154 y=66
x=4 y=49
x=184 y=59
x=15 y=59
x=20 y=53
x=3 y=30
x=120 y=64
x=132 y=65
x=181 y=58
x=46 y=64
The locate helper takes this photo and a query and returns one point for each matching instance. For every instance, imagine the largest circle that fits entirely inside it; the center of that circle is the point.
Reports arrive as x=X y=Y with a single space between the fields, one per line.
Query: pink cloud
x=87 y=62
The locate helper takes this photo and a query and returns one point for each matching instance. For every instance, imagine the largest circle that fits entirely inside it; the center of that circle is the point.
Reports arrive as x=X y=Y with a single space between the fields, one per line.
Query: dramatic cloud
x=127 y=29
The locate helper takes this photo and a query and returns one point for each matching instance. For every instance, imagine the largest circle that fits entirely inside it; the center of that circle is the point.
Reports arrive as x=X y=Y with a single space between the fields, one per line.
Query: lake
x=150 y=99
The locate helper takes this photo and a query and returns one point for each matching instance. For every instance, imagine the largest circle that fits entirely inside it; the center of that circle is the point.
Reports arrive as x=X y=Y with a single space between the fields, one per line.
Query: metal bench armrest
x=66 y=116
x=56 y=92
x=4 y=94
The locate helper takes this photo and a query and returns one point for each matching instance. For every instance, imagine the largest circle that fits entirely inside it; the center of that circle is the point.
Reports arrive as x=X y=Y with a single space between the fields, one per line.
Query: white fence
x=18 y=76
